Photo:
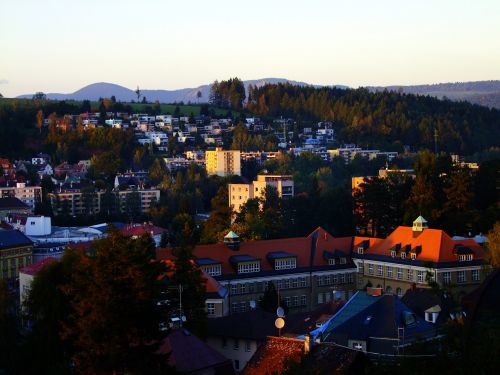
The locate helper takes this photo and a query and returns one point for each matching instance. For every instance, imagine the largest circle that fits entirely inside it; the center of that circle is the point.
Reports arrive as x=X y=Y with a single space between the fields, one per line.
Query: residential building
x=377 y=324
x=15 y=253
x=239 y=194
x=12 y=205
x=27 y=274
x=418 y=255
x=75 y=202
x=187 y=354
x=223 y=162
x=27 y=194
x=136 y=230
x=308 y=271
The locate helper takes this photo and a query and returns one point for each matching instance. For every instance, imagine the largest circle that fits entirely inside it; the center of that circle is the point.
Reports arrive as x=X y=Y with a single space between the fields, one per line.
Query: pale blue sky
x=60 y=46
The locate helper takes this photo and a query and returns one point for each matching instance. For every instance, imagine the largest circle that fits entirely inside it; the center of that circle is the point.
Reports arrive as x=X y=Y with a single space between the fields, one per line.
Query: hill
x=486 y=93
x=105 y=90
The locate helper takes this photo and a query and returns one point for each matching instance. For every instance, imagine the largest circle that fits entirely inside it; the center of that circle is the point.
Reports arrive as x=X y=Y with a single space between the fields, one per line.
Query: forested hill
x=385 y=119
x=485 y=93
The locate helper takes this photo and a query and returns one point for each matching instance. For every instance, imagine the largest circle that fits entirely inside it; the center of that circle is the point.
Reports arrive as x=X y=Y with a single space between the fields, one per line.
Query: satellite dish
x=280 y=312
x=252 y=305
x=279 y=323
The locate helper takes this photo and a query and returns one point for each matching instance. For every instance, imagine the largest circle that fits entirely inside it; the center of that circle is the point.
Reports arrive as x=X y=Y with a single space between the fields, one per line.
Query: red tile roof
x=298 y=246
x=270 y=357
x=436 y=245
x=34 y=268
x=138 y=229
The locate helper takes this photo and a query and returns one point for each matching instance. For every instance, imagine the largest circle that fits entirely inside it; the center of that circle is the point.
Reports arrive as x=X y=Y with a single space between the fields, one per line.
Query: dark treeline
x=388 y=120
x=228 y=94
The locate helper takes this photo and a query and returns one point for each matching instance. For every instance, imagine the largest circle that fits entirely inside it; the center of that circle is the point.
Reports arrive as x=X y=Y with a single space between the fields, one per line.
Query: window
x=320 y=298
x=285 y=264
x=210 y=309
x=469 y=256
x=475 y=275
x=243 y=288
x=380 y=270
x=420 y=276
x=303 y=282
x=409 y=275
x=393 y=253
x=461 y=277
x=461 y=258
x=295 y=283
x=360 y=250
x=295 y=301
x=234 y=288
x=236 y=344
x=403 y=255
x=331 y=261
x=248 y=345
x=212 y=270
x=287 y=301
x=248 y=267
x=350 y=278
x=320 y=281
x=328 y=280
x=342 y=278
x=399 y=292
x=236 y=364
x=343 y=260
x=413 y=256
x=399 y=273
x=446 y=278
x=370 y=269
x=389 y=271
x=335 y=279
x=303 y=300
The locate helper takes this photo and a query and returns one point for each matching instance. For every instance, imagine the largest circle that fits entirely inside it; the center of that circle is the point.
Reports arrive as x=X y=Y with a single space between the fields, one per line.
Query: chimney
x=374 y=291
x=307 y=344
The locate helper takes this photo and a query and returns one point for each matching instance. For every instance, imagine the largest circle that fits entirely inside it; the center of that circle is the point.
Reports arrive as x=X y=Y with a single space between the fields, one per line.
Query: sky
x=63 y=45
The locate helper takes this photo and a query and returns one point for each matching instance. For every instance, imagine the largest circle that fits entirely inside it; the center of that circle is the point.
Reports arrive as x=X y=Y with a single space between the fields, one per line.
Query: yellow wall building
x=223 y=162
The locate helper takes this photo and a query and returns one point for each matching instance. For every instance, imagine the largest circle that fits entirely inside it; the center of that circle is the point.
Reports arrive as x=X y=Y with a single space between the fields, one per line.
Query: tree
x=39 y=96
x=189 y=276
x=138 y=93
x=219 y=221
x=114 y=320
x=493 y=253
x=39 y=120
x=269 y=301
x=9 y=330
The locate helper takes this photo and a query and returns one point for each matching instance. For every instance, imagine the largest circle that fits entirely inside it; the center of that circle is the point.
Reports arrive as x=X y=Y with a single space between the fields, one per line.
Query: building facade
x=223 y=162
x=16 y=251
x=239 y=194
x=418 y=255
x=29 y=195
x=307 y=271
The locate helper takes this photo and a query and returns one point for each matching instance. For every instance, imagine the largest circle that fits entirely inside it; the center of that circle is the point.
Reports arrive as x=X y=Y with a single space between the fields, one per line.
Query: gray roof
x=13 y=238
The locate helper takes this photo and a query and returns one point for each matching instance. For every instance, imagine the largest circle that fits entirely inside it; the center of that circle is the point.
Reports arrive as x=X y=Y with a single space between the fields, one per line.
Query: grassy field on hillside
x=185 y=109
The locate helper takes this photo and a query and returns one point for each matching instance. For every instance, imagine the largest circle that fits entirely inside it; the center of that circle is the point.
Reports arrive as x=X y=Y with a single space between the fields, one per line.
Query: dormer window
x=403 y=255
x=285 y=264
x=461 y=258
x=248 y=267
x=214 y=270
x=393 y=253
x=360 y=249
x=343 y=260
x=331 y=261
x=413 y=256
x=469 y=257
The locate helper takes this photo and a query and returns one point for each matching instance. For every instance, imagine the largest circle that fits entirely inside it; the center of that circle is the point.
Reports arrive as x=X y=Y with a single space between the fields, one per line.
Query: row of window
x=335 y=279
x=9 y=253
x=465 y=257
x=389 y=273
x=259 y=287
x=403 y=255
x=214 y=270
x=461 y=276
x=333 y=261
x=285 y=264
x=248 y=267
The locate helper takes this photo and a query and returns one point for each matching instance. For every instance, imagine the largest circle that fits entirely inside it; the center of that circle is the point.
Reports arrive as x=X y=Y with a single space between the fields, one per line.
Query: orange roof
x=436 y=245
x=298 y=246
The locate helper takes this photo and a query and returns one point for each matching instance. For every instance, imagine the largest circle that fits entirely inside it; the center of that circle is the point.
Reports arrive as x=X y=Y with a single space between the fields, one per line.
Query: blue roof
x=382 y=319
x=206 y=261
x=280 y=254
x=13 y=238
x=242 y=258
x=358 y=302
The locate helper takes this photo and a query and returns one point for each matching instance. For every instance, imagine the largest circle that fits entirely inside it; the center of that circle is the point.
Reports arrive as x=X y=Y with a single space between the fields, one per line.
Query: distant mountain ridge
x=98 y=90
x=486 y=93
